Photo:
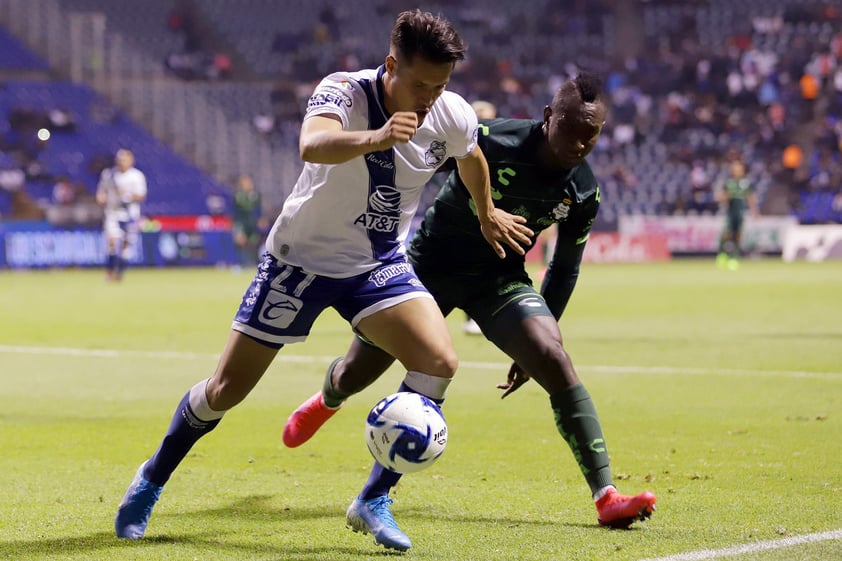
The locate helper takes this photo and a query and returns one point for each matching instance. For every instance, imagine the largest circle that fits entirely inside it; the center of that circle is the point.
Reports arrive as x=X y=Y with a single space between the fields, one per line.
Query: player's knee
x=223 y=393
x=553 y=364
x=444 y=364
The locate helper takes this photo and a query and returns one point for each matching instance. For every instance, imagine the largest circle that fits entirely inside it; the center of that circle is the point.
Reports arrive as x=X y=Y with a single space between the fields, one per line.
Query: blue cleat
x=374 y=516
x=136 y=507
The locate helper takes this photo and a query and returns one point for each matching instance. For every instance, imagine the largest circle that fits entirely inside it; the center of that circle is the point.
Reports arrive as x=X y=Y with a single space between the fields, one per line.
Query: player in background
x=370 y=140
x=538 y=171
x=736 y=195
x=247 y=222
x=120 y=191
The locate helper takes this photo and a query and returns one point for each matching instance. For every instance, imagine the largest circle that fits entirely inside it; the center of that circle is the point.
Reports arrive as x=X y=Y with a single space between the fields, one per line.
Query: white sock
x=199 y=403
x=602 y=492
x=433 y=387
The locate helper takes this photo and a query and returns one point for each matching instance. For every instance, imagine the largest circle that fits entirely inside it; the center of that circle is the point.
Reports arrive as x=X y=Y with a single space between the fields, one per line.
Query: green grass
x=719 y=391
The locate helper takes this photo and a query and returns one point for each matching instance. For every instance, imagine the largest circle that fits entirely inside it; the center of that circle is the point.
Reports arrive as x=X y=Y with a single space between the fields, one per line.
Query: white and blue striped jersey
x=120 y=189
x=345 y=219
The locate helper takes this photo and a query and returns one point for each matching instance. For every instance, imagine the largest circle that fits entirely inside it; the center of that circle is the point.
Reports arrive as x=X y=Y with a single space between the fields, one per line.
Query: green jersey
x=738 y=191
x=449 y=240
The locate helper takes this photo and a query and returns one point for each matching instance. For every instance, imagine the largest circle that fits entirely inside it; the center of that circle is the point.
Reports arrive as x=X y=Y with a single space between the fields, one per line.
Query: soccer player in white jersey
x=370 y=141
x=120 y=191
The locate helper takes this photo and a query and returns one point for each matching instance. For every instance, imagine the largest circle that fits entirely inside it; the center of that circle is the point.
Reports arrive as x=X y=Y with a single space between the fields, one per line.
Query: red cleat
x=620 y=511
x=306 y=420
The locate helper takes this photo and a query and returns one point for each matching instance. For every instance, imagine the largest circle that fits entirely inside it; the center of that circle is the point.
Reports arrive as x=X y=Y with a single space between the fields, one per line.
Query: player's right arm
x=324 y=141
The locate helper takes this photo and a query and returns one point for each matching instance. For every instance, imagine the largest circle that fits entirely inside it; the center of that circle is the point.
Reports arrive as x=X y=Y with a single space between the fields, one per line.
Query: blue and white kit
x=349 y=221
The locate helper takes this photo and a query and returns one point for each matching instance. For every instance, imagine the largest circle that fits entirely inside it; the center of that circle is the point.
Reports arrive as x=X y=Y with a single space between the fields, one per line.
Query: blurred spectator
x=12 y=179
x=61 y=120
x=64 y=192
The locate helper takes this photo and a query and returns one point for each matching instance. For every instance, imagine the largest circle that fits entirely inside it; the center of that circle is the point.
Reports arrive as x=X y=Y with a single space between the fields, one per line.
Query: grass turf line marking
x=781 y=543
x=309 y=359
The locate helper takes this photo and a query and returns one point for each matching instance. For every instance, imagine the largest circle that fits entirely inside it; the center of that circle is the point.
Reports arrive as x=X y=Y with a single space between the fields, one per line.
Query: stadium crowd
x=709 y=83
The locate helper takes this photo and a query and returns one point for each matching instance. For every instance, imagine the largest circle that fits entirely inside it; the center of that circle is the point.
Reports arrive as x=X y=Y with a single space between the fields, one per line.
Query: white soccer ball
x=406 y=432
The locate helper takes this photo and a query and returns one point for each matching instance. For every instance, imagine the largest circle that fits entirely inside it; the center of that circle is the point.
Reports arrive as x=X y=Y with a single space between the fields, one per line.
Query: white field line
x=310 y=359
x=767 y=545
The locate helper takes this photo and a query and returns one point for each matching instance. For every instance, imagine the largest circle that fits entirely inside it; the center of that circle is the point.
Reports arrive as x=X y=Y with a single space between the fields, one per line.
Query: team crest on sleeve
x=435 y=154
x=562 y=209
x=329 y=95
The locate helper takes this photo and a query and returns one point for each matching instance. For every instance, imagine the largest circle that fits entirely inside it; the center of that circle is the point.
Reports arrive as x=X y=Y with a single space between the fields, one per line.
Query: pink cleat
x=620 y=511
x=307 y=420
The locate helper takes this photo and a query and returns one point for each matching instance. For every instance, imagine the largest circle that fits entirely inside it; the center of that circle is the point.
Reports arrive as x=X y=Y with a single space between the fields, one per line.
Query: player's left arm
x=563 y=269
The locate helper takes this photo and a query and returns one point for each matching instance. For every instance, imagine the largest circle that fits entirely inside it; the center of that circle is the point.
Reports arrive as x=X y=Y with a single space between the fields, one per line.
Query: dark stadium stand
x=693 y=83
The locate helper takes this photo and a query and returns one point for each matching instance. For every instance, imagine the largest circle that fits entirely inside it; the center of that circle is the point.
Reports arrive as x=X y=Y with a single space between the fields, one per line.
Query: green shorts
x=497 y=302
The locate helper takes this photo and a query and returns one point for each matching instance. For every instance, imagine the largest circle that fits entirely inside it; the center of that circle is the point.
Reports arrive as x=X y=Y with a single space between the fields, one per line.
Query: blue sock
x=381 y=480
x=185 y=429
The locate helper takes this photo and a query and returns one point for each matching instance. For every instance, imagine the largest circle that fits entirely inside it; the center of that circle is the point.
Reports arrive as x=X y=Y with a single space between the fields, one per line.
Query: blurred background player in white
x=370 y=141
x=121 y=190
x=484 y=110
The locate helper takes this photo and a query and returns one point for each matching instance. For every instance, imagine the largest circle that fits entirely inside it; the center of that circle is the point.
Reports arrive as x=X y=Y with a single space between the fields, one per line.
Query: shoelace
x=380 y=508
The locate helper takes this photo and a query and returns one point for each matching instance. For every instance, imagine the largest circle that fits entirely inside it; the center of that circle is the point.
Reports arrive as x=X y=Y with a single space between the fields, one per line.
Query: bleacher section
x=15 y=56
x=175 y=186
x=678 y=120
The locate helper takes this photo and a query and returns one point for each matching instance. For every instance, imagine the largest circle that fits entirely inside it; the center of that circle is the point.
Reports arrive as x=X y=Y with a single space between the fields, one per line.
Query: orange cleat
x=620 y=511
x=307 y=420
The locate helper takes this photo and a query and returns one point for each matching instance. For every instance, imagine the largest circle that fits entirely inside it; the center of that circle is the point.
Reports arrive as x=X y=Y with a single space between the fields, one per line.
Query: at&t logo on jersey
x=384 y=210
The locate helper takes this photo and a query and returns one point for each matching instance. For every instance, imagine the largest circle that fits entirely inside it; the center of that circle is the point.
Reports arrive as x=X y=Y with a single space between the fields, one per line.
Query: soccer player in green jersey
x=538 y=171
x=736 y=196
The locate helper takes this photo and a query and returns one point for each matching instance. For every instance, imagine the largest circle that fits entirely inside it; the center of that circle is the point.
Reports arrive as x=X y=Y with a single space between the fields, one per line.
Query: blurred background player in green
x=247 y=222
x=736 y=196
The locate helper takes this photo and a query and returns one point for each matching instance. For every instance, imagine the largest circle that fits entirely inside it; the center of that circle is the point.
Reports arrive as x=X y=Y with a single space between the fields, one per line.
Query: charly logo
x=380 y=276
x=279 y=309
x=384 y=204
x=435 y=153
x=530 y=302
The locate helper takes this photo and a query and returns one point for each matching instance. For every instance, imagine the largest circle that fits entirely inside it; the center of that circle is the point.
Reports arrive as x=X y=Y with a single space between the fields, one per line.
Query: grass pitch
x=719 y=391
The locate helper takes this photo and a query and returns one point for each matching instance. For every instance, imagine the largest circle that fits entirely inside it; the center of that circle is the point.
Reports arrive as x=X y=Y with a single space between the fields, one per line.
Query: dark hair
x=589 y=86
x=428 y=36
x=584 y=88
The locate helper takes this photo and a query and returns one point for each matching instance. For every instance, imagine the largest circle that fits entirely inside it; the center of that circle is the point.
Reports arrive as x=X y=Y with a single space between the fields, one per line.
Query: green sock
x=578 y=423
x=332 y=397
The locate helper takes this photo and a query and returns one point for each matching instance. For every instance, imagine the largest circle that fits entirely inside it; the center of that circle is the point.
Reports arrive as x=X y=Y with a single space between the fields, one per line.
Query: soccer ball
x=406 y=432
